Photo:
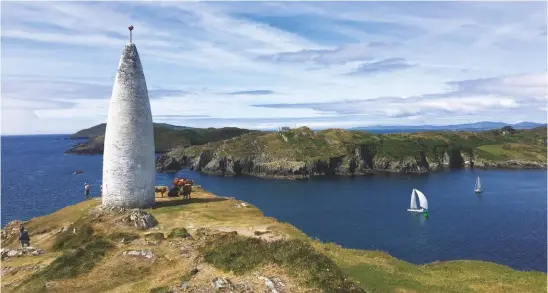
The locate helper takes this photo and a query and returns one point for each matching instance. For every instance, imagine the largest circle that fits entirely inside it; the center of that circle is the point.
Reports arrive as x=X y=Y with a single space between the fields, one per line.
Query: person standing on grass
x=24 y=237
x=86 y=189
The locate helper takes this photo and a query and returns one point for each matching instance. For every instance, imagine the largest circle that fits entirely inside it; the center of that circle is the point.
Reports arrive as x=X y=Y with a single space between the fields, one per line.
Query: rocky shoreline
x=302 y=153
x=229 y=166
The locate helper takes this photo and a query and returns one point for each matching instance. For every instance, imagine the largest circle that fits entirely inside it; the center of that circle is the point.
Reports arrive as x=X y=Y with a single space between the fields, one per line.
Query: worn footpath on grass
x=212 y=241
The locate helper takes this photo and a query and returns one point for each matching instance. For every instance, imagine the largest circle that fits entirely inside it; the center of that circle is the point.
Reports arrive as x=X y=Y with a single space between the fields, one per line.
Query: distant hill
x=477 y=126
x=166 y=137
x=90 y=132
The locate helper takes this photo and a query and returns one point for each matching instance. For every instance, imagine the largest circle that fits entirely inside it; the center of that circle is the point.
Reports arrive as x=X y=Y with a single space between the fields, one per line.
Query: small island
x=302 y=152
x=221 y=244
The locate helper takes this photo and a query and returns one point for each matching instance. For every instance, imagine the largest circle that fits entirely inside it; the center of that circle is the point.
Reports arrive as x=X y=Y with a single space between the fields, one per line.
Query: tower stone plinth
x=129 y=173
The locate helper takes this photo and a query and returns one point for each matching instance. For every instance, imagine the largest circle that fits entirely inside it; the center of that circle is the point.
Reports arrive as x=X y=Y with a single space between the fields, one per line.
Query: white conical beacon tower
x=129 y=173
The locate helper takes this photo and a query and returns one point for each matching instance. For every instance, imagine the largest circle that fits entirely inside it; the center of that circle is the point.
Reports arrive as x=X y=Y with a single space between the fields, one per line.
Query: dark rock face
x=455 y=159
x=363 y=161
x=168 y=164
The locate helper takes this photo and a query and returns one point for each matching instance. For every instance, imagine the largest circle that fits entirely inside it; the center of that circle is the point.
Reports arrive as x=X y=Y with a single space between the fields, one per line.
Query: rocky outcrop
x=139 y=253
x=302 y=153
x=273 y=285
x=11 y=229
x=363 y=161
x=93 y=146
x=221 y=283
x=510 y=164
x=138 y=218
x=9 y=253
x=9 y=270
x=168 y=164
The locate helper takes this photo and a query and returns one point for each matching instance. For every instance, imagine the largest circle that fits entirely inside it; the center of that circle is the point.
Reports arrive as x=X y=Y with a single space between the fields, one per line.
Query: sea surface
x=506 y=224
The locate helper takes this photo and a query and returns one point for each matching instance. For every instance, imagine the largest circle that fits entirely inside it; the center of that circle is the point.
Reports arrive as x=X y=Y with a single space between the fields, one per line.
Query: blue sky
x=268 y=64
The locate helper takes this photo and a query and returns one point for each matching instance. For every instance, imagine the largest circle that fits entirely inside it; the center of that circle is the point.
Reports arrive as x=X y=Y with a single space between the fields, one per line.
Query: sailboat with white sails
x=423 y=202
x=477 y=188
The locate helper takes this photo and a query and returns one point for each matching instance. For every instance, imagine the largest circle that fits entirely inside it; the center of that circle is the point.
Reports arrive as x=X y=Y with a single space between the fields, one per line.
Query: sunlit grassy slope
x=87 y=257
x=304 y=145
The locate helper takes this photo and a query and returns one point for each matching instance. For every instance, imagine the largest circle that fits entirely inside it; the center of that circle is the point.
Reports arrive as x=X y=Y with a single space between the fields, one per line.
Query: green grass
x=179 y=233
x=450 y=277
x=303 y=146
x=75 y=236
x=512 y=151
x=70 y=264
x=379 y=272
x=155 y=236
x=123 y=236
x=160 y=290
x=166 y=137
x=78 y=261
x=240 y=255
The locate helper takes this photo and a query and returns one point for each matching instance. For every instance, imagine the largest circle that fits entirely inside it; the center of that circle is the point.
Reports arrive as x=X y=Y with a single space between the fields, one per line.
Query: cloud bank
x=261 y=65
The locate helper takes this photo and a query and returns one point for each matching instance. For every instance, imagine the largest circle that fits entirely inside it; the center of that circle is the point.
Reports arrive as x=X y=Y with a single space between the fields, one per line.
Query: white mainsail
x=413 y=200
x=478 y=184
x=422 y=199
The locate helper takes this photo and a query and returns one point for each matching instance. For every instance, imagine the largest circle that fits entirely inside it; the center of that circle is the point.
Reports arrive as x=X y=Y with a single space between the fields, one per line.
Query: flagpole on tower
x=130 y=33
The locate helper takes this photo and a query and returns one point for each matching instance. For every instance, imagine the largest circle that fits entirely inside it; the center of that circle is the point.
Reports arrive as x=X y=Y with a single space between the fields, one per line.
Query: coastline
x=372 y=270
x=362 y=174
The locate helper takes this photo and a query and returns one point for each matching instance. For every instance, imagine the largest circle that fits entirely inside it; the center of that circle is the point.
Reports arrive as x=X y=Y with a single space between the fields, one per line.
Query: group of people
x=87 y=189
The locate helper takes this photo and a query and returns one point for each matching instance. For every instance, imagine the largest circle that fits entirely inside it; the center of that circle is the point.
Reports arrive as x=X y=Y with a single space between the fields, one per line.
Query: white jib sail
x=422 y=199
x=478 y=183
x=413 y=200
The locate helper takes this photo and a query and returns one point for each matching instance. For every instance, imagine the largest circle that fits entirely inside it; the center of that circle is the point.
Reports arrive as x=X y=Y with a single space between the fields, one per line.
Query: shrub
x=179 y=233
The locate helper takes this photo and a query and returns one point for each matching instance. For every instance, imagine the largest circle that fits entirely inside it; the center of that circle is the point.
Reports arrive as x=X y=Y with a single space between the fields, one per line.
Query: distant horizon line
x=313 y=128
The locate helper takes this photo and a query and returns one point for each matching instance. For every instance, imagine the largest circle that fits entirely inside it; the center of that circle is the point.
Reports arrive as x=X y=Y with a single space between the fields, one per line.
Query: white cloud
x=527 y=87
x=194 y=52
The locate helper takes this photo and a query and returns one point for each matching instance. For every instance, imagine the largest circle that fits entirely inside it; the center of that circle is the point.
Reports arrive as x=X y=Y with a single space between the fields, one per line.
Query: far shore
x=367 y=174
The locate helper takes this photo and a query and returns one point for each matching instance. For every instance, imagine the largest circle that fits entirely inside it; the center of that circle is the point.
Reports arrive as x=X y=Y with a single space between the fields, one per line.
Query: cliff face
x=302 y=153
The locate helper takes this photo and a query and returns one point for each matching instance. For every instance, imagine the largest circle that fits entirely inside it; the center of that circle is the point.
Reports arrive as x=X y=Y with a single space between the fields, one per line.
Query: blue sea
x=506 y=224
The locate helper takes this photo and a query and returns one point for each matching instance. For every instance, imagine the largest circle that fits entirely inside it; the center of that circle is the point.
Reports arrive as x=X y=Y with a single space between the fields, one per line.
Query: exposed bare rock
x=140 y=219
x=9 y=253
x=11 y=229
x=221 y=284
x=139 y=253
x=274 y=285
x=242 y=205
x=12 y=270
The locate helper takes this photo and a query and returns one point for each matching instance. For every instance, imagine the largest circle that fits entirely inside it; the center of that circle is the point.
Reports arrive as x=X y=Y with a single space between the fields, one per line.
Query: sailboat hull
x=477 y=190
x=416 y=210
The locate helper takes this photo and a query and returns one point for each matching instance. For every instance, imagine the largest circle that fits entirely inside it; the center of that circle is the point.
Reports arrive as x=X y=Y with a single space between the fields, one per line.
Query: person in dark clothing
x=24 y=237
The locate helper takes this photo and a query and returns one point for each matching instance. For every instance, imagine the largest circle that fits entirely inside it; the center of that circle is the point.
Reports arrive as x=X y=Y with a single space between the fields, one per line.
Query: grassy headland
x=211 y=237
x=302 y=152
x=166 y=137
